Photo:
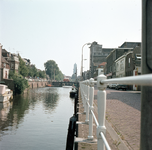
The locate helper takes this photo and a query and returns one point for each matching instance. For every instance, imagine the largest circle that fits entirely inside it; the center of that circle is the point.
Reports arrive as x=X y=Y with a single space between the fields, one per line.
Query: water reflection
x=4 y=110
x=36 y=120
x=12 y=113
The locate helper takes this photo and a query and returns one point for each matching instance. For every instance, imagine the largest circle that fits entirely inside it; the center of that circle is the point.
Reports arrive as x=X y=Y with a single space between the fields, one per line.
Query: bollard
x=101 y=100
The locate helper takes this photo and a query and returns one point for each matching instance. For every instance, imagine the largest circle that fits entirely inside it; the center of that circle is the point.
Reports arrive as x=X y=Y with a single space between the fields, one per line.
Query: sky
x=42 y=30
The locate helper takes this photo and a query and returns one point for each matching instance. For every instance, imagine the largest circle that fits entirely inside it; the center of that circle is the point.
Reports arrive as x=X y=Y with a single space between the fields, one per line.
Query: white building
x=120 y=66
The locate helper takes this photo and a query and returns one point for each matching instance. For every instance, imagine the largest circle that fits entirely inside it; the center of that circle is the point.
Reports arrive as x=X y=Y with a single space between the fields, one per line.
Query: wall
x=35 y=84
x=9 y=83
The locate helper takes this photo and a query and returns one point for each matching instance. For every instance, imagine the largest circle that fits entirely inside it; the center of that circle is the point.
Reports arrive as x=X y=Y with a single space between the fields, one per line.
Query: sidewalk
x=122 y=121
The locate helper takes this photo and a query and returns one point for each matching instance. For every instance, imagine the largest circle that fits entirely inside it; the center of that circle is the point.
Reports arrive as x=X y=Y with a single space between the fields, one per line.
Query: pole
x=146 y=92
x=82 y=58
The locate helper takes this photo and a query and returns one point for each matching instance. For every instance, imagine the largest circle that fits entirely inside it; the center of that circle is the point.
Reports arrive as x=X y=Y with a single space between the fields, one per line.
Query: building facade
x=12 y=59
x=111 y=58
x=97 y=56
x=133 y=65
x=120 y=66
x=5 y=68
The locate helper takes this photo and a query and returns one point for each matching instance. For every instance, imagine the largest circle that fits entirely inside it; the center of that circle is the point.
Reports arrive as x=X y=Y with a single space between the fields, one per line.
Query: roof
x=4 y=60
x=119 y=49
x=4 y=50
x=130 y=44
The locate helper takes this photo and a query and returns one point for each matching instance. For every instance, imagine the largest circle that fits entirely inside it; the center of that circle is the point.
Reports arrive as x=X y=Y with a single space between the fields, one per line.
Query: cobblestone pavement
x=123 y=113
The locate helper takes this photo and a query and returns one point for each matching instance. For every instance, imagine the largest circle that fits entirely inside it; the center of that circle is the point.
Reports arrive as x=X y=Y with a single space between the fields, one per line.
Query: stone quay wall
x=37 y=84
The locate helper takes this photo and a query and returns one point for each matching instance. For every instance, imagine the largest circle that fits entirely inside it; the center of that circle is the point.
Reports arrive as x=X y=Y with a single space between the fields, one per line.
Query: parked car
x=120 y=86
x=112 y=85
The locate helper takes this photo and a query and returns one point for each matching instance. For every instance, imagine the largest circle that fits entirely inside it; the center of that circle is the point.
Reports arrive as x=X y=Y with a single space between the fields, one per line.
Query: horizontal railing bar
x=144 y=80
x=105 y=141
x=95 y=82
x=94 y=118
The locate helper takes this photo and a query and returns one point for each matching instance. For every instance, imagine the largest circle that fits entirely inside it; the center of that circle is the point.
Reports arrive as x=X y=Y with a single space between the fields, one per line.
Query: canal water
x=36 y=120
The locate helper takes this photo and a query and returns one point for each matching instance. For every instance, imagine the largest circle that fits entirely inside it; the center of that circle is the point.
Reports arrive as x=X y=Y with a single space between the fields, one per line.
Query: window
x=121 y=65
x=138 y=56
x=4 y=65
x=117 y=66
x=16 y=66
x=129 y=62
x=12 y=66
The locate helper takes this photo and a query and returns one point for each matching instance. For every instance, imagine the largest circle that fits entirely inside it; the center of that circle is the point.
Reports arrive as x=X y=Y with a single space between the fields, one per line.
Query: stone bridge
x=38 y=84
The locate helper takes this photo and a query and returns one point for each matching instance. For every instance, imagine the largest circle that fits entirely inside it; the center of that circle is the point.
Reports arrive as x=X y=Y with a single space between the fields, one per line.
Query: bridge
x=60 y=84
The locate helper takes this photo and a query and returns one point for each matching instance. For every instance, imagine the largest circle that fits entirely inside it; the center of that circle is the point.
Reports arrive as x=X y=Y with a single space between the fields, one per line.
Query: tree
x=42 y=74
x=53 y=71
x=23 y=70
x=32 y=71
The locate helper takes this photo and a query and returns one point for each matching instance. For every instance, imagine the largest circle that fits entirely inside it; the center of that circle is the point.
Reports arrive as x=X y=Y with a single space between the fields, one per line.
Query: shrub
x=20 y=84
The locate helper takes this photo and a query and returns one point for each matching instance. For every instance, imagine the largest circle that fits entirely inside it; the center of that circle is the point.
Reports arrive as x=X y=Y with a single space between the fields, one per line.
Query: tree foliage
x=23 y=70
x=33 y=71
x=20 y=83
x=53 y=71
x=42 y=74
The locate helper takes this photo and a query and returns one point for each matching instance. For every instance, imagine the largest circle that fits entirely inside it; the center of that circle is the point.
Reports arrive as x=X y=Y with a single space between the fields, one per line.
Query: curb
x=119 y=142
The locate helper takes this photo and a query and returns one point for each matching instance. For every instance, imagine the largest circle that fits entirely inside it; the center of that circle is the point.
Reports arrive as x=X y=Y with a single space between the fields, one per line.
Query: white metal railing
x=87 y=94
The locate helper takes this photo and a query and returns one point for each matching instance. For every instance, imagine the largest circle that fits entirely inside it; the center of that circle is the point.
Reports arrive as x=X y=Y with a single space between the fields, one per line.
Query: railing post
x=101 y=101
x=87 y=100
x=91 y=97
x=84 y=93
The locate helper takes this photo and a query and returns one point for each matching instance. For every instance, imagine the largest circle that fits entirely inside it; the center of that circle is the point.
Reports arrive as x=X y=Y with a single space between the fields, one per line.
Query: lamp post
x=82 y=58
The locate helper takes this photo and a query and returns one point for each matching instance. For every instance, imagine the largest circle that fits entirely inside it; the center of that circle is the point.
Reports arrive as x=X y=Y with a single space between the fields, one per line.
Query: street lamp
x=82 y=58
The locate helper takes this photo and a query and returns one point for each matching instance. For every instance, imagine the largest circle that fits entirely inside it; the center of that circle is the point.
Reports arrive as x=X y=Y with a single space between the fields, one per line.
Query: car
x=112 y=85
x=121 y=86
